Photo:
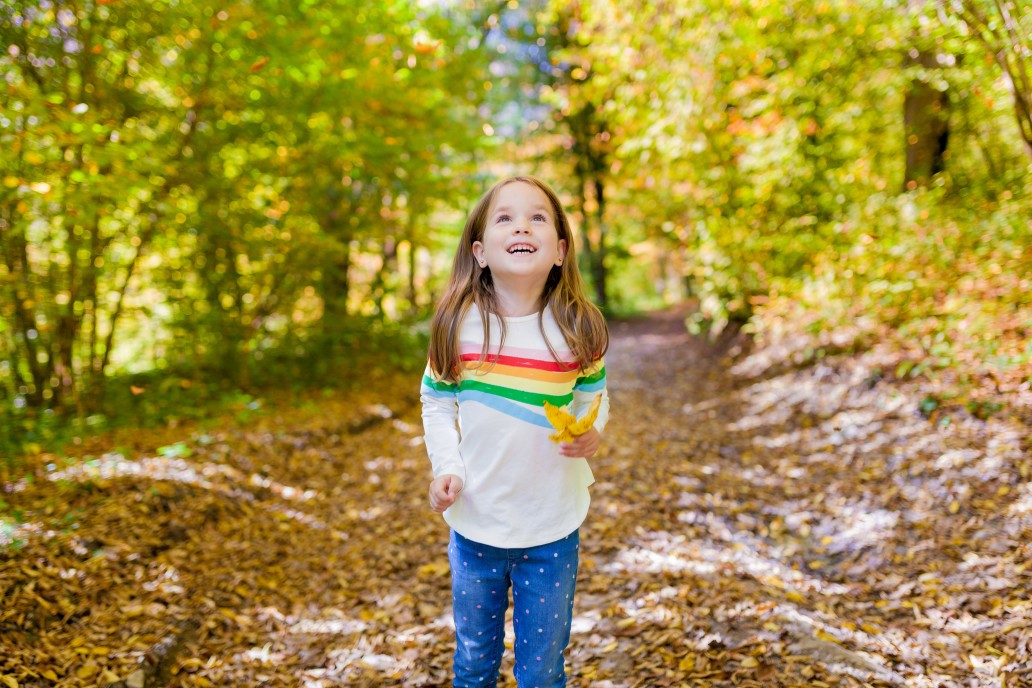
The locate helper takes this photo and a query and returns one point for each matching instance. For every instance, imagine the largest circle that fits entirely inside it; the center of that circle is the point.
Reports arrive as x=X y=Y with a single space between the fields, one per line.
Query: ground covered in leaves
x=755 y=522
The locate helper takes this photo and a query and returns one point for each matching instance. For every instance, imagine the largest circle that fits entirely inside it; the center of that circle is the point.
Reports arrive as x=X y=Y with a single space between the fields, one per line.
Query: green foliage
x=765 y=167
x=354 y=354
x=186 y=186
x=745 y=142
x=204 y=201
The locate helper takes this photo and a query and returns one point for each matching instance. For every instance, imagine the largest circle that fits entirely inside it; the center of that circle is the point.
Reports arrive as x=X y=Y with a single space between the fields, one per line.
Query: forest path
x=757 y=525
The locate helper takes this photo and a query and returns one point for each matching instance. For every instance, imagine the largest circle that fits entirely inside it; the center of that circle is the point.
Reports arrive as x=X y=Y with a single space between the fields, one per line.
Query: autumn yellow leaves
x=569 y=427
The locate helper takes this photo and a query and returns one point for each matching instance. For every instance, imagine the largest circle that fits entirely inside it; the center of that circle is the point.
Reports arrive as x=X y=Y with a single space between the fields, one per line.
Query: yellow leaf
x=101 y=650
x=9 y=681
x=954 y=506
x=687 y=663
x=107 y=677
x=426 y=47
x=87 y=670
x=827 y=636
x=560 y=419
x=433 y=570
x=750 y=662
x=133 y=611
x=567 y=426
x=585 y=422
x=562 y=436
x=242 y=619
x=49 y=673
x=10 y=183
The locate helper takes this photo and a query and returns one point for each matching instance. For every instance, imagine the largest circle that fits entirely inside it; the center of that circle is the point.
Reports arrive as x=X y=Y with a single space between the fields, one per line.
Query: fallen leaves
x=794 y=530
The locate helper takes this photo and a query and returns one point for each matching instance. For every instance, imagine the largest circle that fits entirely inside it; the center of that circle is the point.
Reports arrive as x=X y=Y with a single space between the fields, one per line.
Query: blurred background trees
x=198 y=198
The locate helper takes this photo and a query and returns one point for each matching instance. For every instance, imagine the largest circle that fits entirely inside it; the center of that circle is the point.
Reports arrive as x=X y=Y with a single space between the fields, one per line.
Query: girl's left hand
x=584 y=446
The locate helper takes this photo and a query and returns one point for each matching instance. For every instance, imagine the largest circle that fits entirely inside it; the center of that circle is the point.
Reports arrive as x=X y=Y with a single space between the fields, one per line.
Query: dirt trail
x=755 y=525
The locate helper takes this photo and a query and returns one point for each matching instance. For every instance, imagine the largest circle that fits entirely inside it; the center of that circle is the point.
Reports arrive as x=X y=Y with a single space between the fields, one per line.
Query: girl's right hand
x=444 y=490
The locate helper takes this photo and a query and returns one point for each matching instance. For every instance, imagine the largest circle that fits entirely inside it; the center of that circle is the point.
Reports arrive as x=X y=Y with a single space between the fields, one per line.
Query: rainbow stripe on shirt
x=516 y=383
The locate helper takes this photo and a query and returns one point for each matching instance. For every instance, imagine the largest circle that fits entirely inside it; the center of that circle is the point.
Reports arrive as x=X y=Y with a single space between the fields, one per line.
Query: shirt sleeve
x=440 y=425
x=590 y=384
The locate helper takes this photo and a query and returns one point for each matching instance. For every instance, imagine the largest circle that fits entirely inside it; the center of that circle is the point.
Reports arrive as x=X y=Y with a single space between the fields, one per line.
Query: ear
x=478 y=253
x=560 y=252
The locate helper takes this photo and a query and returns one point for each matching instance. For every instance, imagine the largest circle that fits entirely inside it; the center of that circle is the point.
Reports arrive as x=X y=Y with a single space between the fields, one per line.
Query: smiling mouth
x=521 y=249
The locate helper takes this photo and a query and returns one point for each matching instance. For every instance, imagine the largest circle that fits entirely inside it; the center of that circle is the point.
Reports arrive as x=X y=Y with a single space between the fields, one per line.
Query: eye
x=540 y=217
x=502 y=218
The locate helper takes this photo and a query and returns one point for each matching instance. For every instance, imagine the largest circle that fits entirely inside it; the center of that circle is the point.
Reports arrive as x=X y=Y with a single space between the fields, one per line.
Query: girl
x=513 y=331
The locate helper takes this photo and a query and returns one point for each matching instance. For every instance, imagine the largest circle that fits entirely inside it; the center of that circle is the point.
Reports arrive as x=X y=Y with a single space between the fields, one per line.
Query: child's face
x=520 y=236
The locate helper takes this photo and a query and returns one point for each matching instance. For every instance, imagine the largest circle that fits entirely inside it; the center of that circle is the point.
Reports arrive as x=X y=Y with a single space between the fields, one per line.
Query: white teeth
x=521 y=248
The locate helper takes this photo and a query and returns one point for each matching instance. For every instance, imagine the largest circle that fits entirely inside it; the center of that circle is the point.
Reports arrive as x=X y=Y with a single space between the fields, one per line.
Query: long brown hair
x=580 y=321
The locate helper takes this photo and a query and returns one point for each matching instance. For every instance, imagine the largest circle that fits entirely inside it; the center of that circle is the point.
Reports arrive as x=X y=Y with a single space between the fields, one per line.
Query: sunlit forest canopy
x=199 y=197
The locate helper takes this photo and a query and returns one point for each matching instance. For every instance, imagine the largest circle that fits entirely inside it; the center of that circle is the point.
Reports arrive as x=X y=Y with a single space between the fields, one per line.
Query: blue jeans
x=543 y=580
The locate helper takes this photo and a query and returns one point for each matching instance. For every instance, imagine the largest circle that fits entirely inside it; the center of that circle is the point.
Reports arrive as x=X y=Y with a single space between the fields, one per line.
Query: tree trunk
x=389 y=264
x=17 y=259
x=589 y=168
x=586 y=260
x=336 y=284
x=410 y=235
x=598 y=263
x=927 y=130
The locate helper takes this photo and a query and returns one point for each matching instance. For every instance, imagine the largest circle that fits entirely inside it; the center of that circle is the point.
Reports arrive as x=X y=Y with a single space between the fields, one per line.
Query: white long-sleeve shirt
x=489 y=428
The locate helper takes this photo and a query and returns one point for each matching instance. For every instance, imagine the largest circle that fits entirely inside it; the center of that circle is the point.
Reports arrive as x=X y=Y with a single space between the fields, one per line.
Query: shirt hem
x=539 y=538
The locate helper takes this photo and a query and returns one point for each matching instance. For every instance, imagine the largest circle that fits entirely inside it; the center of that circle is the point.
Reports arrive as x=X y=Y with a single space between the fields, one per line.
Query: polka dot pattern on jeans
x=481 y=578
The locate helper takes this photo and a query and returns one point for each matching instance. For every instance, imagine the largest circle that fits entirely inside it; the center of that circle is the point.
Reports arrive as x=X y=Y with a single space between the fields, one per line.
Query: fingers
x=444 y=491
x=584 y=446
x=440 y=502
x=577 y=450
x=440 y=499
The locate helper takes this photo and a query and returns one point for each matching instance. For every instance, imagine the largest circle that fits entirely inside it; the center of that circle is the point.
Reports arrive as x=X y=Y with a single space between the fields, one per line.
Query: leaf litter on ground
x=753 y=524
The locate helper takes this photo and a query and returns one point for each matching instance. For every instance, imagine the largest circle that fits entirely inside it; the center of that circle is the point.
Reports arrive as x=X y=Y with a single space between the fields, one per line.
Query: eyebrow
x=509 y=210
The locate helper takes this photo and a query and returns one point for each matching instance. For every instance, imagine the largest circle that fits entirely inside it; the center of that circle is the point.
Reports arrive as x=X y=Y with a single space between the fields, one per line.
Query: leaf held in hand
x=568 y=427
x=588 y=419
